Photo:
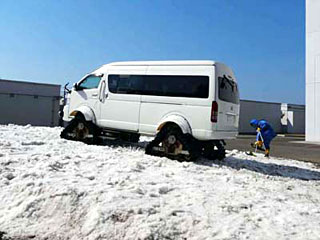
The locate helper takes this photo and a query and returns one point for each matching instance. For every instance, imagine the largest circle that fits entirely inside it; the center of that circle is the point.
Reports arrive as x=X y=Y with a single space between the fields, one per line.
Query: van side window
x=228 y=90
x=160 y=85
x=119 y=84
x=123 y=84
x=90 y=82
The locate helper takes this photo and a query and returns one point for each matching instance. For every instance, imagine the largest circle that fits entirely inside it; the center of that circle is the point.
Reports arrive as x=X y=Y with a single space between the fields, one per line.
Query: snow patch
x=57 y=189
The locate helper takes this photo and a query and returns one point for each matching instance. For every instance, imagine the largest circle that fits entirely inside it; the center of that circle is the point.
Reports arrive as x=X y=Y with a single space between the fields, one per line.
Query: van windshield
x=90 y=82
x=228 y=90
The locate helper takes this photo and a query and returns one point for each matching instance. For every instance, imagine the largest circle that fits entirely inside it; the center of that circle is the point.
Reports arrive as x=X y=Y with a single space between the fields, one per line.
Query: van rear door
x=228 y=104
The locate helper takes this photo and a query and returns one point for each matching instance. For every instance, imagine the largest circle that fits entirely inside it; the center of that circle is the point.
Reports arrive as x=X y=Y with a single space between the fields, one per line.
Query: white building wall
x=312 y=70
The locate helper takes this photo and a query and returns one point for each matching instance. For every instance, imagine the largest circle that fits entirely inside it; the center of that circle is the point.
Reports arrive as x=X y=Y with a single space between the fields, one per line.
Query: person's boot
x=267 y=153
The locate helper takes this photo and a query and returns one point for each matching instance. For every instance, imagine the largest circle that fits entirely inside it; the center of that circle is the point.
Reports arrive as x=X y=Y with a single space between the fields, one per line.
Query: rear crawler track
x=172 y=143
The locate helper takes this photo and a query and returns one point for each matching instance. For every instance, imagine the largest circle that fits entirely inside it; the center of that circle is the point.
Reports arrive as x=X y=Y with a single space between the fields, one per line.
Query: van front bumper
x=66 y=116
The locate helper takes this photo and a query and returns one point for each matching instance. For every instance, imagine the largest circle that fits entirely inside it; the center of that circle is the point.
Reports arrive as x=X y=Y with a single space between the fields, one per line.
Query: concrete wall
x=29 y=103
x=312 y=70
x=284 y=118
x=259 y=110
x=29 y=88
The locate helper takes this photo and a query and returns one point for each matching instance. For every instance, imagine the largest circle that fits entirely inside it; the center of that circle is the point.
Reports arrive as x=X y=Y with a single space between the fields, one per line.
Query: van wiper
x=231 y=83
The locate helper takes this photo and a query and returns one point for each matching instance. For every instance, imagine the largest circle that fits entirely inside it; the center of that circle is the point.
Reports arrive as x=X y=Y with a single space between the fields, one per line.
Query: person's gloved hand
x=258 y=129
x=258 y=143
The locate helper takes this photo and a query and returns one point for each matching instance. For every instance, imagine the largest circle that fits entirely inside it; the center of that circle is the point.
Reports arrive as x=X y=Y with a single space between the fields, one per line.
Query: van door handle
x=94 y=94
x=230 y=113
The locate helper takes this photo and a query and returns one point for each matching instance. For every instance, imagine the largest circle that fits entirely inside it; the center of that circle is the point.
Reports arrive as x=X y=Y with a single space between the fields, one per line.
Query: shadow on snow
x=270 y=169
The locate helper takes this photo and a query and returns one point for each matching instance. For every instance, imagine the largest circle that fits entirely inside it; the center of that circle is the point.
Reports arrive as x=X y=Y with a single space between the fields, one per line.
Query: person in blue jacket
x=265 y=134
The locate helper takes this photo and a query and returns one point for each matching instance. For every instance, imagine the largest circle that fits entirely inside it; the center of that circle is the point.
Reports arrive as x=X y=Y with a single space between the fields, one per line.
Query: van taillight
x=214 y=112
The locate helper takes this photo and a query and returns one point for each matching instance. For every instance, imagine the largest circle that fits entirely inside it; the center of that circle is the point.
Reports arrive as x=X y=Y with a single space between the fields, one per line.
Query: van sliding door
x=121 y=108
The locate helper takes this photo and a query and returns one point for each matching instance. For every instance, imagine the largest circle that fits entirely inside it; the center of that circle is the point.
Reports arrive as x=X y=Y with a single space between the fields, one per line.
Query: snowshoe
x=250 y=153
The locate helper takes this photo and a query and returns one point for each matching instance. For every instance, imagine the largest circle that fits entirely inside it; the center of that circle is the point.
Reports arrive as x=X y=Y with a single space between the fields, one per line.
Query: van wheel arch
x=86 y=112
x=178 y=120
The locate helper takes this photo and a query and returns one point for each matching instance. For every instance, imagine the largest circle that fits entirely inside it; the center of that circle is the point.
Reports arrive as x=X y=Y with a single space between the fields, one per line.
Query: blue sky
x=57 y=41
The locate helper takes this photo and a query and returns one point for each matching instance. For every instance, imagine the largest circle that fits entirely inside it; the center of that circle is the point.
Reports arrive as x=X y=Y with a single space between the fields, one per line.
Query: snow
x=57 y=189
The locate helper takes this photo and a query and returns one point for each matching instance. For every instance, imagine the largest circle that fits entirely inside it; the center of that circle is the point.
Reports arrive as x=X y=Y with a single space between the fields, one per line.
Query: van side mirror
x=66 y=89
x=76 y=86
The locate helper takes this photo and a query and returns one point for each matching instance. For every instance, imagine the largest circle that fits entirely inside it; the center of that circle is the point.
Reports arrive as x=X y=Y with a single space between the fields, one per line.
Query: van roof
x=164 y=63
x=104 y=67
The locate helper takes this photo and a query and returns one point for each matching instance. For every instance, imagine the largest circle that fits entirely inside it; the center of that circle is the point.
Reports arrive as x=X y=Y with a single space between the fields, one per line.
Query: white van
x=189 y=106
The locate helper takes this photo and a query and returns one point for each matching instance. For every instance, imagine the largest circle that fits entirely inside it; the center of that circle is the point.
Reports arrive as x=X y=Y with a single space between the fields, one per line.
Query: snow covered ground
x=57 y=189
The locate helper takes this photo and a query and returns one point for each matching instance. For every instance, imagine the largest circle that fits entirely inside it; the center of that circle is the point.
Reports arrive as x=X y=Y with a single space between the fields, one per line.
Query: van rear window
x=160 y=85
x=228 y=90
